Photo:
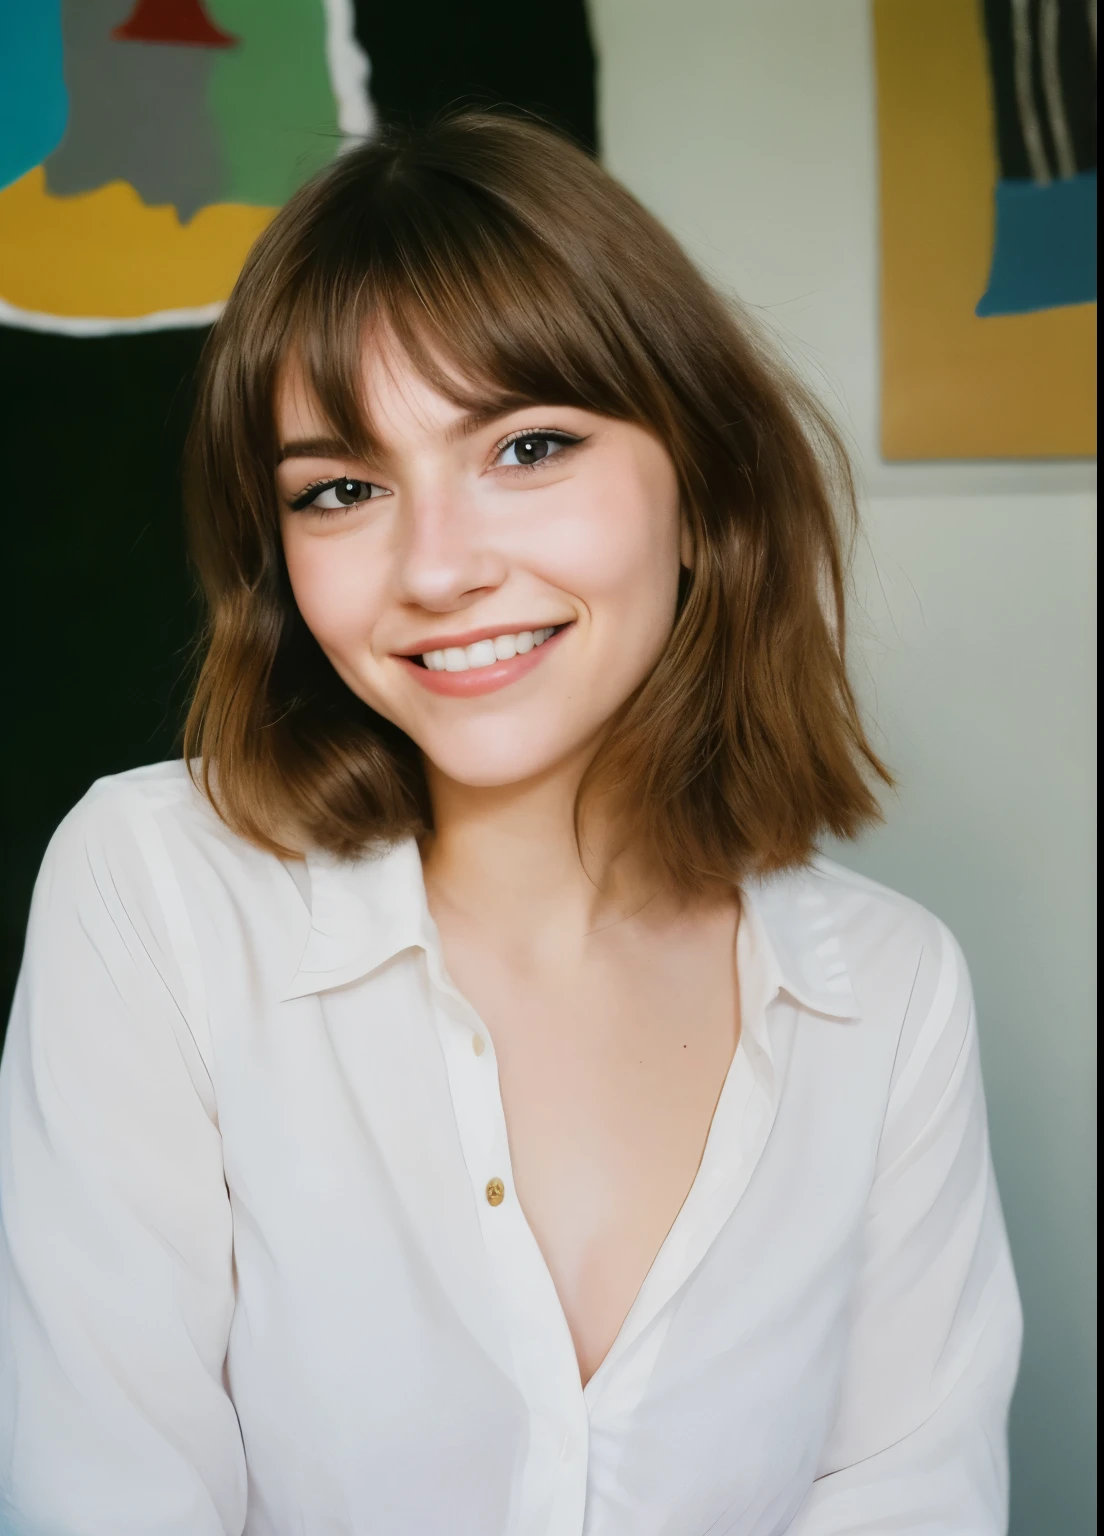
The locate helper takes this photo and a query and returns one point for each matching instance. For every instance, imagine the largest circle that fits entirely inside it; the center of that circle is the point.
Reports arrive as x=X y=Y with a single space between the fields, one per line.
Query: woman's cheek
x=620 y=537
x=333 y=591
x=619 y=567
x=587 y=549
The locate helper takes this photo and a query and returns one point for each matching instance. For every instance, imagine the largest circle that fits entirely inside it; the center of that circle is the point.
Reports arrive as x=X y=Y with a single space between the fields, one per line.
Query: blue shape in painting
x=34 y=105
x=1044 y=252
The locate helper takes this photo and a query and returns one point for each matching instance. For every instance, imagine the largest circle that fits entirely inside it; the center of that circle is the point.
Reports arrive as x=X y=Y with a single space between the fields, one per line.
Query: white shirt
x=250 y=1279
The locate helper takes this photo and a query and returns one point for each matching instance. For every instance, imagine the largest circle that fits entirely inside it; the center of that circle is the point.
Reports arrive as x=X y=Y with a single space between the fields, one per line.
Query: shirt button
x=496 y=1191
x=478 y=1044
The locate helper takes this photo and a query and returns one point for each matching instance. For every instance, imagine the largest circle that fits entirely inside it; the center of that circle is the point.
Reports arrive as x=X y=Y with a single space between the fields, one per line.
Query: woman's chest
x=366 y=1125
x=372 y=1284
x=609 y=1076
x=608 y=1106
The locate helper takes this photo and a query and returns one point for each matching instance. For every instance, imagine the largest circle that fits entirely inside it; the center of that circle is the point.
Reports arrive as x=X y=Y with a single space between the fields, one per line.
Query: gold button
x=478 y=1045
x=496 y=1191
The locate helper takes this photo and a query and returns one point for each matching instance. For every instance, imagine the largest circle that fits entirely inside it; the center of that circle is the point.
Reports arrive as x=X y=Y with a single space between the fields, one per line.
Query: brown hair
x=496 y=252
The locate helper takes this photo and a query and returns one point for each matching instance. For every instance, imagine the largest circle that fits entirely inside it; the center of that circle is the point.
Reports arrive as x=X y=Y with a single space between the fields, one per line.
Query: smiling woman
x=456 y=1100
x=462 y=534
x=483 y=329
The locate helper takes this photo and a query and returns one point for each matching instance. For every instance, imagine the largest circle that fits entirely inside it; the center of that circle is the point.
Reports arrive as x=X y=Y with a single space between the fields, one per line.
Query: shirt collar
x=368 y=910
x=800 y=941
x=363 y=912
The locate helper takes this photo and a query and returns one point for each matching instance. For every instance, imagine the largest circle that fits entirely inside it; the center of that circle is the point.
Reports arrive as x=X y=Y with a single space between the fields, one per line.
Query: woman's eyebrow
x=466 y=425
x=335 y=448
x=474 y=420
x=313 y=448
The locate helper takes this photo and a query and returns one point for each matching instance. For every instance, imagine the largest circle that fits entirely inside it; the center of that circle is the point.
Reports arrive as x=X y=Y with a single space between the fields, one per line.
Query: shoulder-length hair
x=513 y=270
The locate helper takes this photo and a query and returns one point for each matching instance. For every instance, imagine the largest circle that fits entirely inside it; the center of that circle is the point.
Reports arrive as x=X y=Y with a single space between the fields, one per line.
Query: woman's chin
x=486 y=761
x=490 y=773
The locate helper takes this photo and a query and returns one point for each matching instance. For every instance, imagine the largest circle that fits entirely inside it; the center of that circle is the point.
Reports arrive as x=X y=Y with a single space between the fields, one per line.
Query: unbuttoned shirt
x=263 y=1268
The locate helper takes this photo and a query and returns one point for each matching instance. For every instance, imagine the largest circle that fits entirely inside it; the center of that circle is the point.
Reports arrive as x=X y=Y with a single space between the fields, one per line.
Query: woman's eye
x=336 y=495
x=531 y=447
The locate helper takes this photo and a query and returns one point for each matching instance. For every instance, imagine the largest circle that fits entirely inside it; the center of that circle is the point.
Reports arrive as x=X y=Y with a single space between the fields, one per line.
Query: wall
x=747 y=125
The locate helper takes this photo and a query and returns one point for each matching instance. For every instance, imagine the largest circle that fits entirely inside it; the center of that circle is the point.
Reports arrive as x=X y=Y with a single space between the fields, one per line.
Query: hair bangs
x=481 y=307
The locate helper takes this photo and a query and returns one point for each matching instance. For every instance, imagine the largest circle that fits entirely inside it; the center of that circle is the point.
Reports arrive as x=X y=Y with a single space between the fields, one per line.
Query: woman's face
x=495 y=587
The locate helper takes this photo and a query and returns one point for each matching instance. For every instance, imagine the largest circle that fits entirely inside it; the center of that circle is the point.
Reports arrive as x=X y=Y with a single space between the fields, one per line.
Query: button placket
x=555 y=1491
x=483 y=1072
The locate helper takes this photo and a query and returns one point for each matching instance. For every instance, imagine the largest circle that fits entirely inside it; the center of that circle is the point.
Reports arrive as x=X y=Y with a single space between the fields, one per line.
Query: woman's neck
x=507 y=857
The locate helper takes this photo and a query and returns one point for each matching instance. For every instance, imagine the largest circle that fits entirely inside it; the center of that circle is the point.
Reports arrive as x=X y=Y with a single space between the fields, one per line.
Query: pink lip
x=469 y=637
x=479 y=680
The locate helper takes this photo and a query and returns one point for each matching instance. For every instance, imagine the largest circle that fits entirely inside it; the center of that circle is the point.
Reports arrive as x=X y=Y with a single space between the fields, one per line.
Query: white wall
x=748 y=126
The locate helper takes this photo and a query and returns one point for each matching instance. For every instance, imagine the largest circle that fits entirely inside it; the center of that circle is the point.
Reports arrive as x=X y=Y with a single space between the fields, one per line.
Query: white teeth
x=484 y=653
x=481 y=654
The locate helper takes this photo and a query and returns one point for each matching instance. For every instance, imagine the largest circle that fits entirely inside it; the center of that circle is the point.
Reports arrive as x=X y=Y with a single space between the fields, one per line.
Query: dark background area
x=104 y=610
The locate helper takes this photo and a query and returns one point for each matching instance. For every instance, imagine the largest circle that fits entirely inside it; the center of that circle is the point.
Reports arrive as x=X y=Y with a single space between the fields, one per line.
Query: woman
x=457 y=1099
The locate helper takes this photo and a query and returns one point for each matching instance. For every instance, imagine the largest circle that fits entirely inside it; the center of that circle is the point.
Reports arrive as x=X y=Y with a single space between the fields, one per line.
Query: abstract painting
x=987 y=180
x=1042 y=70
x=164 y=135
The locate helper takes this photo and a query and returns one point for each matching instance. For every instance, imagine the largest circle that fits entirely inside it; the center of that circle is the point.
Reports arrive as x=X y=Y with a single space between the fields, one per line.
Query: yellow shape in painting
x=955 y=386
x=105 y=254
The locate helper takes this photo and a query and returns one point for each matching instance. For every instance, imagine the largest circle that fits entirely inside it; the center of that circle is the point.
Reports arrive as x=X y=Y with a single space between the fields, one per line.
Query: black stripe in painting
x=1024 y=110
x=432 y=54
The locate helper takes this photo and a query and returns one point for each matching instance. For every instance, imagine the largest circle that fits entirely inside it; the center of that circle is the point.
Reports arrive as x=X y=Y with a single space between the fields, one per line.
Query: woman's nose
x=445 y=556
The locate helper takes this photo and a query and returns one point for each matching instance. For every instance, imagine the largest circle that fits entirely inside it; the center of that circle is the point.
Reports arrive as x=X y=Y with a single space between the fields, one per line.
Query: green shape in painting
x=271 y=98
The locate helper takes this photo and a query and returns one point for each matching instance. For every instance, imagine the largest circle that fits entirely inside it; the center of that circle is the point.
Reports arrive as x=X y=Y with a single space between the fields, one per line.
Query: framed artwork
x=987 y=171
x=144 y=144
x=156 y=141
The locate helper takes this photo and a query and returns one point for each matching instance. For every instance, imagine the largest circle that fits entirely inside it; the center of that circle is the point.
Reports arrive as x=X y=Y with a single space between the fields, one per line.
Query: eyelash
x=311 y=492
x=568 y=440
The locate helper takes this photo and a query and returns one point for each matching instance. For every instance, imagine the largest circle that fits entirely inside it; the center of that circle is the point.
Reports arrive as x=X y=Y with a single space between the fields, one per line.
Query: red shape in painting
x=173 y=21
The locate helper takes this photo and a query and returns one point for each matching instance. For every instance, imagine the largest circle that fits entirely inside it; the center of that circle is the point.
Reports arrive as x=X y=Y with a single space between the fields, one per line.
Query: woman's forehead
x=385 y=393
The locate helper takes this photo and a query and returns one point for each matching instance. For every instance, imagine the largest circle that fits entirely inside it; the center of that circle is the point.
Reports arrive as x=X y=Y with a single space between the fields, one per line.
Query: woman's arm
x=919 y=1441
x=116 y=1280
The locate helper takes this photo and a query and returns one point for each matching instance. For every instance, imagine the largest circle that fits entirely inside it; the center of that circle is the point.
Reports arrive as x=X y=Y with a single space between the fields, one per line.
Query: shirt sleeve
x=116 y=1277
x=919 y=1442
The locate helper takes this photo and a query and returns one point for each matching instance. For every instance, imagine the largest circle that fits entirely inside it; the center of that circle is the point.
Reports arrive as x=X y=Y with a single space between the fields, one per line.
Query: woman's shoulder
x=851 y=893
x=143 y=860
x=153 y=784
x=857 y=940
x=153 y=816
x=117 y=806
x=826 y=895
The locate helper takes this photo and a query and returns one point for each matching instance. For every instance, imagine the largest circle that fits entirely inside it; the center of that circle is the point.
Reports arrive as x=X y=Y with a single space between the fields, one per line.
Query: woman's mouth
x=486 y=664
